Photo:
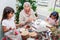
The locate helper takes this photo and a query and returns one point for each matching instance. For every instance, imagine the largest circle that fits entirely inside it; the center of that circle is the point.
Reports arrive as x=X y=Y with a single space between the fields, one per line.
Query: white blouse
x=8 y=23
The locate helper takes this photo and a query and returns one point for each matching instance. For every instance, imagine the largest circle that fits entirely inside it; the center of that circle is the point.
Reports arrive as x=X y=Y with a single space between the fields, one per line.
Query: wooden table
x=24 y=33
x=11 y=36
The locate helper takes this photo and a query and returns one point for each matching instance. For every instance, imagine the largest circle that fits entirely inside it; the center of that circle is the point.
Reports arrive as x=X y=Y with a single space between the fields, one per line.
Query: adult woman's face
x=27 y=8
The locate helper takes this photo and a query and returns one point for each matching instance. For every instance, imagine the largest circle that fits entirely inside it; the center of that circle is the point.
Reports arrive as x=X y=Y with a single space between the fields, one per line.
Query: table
x=24 y=33
x=39 y=24
x=11 y=36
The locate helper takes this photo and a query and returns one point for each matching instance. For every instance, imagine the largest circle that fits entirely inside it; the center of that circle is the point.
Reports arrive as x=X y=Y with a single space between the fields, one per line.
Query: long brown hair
x=6 y=11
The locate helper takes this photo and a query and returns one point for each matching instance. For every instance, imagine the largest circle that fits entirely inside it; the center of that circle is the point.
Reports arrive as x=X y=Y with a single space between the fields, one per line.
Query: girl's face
x=53 y=17
x=10 y=15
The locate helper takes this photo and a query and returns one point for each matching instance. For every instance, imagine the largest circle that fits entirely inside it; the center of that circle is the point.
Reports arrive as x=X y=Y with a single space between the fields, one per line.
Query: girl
x=7 y=23
x=7 y=20
x=53 y=19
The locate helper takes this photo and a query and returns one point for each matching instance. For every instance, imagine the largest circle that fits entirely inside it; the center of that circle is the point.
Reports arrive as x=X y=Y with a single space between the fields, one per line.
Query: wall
x=4 y=3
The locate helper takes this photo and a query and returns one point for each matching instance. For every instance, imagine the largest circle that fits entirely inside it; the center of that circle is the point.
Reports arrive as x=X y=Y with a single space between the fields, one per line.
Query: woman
x=27 y=14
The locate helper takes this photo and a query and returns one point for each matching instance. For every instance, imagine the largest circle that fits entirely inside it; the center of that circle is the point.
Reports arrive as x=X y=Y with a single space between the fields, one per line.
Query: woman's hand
x=30 y=19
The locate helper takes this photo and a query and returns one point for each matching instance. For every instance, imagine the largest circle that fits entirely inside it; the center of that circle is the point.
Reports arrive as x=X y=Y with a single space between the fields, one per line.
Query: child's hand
x=10 y=28
x=14 y=29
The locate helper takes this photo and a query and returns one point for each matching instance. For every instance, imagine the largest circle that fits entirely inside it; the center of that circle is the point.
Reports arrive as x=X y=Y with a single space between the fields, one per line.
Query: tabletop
x=39 y=24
